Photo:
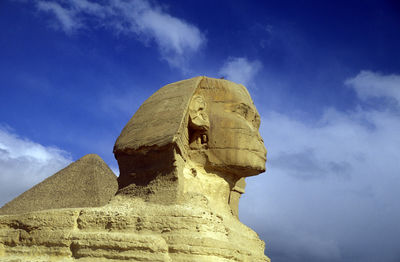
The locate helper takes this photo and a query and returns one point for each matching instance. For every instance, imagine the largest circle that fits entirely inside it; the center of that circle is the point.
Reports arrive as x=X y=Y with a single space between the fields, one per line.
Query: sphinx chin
x=239 y=162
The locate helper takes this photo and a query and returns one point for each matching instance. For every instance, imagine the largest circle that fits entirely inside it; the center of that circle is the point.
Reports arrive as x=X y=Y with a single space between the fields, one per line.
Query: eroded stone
x=183 y=158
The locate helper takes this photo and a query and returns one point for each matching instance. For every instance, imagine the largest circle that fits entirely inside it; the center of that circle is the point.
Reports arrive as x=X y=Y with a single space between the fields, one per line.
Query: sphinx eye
x=242 y=110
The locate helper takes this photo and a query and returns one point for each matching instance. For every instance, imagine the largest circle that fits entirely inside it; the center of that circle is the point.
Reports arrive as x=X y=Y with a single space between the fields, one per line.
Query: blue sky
x=324 y=75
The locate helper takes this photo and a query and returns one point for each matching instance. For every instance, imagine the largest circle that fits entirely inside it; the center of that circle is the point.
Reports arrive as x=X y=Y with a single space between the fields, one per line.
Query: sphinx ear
x=198 y=118
x=198 y=123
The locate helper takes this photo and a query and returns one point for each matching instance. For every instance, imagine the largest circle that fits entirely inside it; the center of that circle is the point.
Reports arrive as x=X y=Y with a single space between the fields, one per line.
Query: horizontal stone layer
x=121 y=233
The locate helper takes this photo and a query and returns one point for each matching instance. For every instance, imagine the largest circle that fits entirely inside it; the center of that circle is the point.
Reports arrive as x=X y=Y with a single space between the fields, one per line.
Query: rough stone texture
x=158 y=121
x=88 y=182
x=128 y=230
x=183 y=158
x=201 y=124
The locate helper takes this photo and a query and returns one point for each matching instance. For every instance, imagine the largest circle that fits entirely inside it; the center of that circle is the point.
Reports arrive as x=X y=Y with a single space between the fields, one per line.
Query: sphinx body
x=183 y=158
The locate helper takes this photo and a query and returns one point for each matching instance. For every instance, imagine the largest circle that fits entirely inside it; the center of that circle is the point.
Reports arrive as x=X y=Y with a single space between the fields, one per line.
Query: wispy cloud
x=369 y=84
x=332 y=183
x=66 y=18
x=177 y=40
x=24 y=163
x=240 y=70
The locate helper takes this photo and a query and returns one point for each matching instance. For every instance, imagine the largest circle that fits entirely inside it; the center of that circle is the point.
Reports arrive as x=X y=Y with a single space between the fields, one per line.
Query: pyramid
x=88 y=182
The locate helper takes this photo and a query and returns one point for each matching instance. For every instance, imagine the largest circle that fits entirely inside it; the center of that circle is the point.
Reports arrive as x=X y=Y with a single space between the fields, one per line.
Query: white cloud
x=24 y=163
x=176 y=39
x=240 y=70
x=331 y=186
x=368 y=84
x=89 y=7
x=68 y=22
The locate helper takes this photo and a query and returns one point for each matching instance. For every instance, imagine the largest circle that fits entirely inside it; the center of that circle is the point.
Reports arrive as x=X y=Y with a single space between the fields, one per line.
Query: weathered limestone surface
x=137 y=231
x=88 y=182
x=183 y=158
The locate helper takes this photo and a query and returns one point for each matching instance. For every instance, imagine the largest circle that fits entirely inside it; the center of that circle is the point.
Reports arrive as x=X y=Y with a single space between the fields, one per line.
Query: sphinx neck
x=179 y=182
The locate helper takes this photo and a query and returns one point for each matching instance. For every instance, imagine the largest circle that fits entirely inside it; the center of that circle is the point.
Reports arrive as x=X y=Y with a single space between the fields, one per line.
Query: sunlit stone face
x=234 y=141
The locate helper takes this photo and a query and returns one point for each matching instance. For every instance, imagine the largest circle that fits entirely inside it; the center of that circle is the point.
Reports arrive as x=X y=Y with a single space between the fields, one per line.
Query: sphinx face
x=234 y=141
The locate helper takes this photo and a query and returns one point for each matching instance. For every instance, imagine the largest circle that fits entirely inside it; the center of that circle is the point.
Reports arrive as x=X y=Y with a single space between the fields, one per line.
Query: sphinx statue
x=183 y=159
x=194 y=137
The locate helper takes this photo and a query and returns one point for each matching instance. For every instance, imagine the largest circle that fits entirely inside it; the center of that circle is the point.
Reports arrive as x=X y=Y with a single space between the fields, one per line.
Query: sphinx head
x=209 y=124
x=223 y=129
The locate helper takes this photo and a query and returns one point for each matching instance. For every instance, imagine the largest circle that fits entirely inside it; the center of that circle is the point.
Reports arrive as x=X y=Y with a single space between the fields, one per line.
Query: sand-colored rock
x=183 y=158
x=204 y=125
x=131 y=230
x=88 y=182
